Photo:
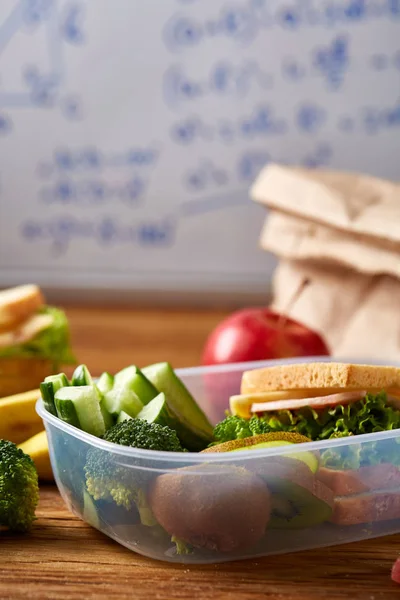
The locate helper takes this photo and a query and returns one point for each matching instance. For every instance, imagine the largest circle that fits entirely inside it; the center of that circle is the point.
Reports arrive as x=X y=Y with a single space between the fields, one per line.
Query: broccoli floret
x=106 y=479
x=181 y=547
x=232 y=428
x=138 y=433
x=19 y=488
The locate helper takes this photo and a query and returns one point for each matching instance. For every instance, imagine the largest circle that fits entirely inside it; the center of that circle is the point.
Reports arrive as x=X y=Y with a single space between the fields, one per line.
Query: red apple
x=396 y=571
x=256 y=333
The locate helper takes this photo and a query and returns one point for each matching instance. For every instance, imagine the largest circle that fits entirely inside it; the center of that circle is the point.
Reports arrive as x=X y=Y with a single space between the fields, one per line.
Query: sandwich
x=323 y=401
x=34 y=339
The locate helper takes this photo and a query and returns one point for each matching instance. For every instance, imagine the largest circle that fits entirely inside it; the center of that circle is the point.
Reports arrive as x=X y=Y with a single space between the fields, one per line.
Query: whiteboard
x=131 y=130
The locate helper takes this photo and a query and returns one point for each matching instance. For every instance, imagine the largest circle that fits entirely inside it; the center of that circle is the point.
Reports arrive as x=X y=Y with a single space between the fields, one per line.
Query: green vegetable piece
x=133 y=379
x=80 y=406
x=156 y=411
x=181 y=546
x=138 y=433
x=105 y=383
x=371 y=414
x=232 y=428
x=81 y=376
x=108 y=419
x=122 y=399
x=123 y=416
x=160 y=411
x=19 y=489
x=49 y=387
x=195 y=431
x=106 y=479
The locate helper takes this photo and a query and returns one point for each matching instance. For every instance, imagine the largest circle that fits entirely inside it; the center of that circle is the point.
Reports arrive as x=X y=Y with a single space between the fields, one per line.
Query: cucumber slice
x=108 y=419
x=143 y=388
x=49 y=387
x=196 y=431
x=60 y=380
x=81 y=376
x=133 y=379
x=123 y=416
x=105 y=383
x=155 y=411
x=80 y=406
x=123 y=377
x=47 y=392
x=159 y=411
x=126 y=400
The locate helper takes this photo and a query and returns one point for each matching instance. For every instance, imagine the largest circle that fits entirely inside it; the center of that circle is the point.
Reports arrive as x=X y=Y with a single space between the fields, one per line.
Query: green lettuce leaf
x=368 y=415
x=53 y=343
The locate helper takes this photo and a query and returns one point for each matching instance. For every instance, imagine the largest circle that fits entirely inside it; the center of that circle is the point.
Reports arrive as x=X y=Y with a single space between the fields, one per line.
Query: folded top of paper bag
x=294 y=238
x=347 y=201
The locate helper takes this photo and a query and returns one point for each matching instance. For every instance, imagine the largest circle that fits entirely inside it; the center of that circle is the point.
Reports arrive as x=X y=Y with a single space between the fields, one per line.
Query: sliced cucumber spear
x=159 y=411
x=80 y=406
x=195 y=431
x=108 y=419
x=122 y=399
x=49 y=387
x=133 y=379
x=123 y=416
x=105 y=383
x=81 y=376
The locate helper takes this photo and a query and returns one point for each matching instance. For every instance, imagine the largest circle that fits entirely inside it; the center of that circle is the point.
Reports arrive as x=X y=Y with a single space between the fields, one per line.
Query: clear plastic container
x=234 y=505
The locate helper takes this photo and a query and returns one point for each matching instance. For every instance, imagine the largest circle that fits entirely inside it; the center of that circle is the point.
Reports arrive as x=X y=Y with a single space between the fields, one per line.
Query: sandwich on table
x=325 y=401
x=34 y=339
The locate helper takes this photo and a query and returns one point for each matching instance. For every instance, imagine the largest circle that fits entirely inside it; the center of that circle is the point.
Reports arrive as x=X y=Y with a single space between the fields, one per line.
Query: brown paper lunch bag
x=340 y=232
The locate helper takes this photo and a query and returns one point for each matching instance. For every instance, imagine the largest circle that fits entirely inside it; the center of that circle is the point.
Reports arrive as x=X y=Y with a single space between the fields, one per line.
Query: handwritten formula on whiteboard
x=131 y=131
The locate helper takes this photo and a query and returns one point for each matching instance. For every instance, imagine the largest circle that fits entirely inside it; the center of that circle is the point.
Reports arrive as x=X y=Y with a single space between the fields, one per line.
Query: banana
x=18 y=418
x=38 y=450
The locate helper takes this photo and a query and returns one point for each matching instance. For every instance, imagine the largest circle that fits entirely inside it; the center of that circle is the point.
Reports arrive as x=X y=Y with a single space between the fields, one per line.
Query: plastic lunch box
x=217 y=497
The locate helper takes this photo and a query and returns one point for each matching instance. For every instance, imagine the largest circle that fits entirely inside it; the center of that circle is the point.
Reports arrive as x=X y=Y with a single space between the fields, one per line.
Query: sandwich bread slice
x=17 y=304
x=326 y=375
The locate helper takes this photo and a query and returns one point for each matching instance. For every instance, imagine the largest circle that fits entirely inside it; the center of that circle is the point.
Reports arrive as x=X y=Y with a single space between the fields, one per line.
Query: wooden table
x=64 y=558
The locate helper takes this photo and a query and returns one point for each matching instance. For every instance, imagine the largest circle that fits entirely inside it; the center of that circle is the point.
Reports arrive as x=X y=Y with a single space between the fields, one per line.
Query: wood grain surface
x=64 y=558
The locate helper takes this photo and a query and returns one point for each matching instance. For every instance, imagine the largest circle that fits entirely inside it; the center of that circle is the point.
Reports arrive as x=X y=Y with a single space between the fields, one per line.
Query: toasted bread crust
x=18 y=304
x=320 y=375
